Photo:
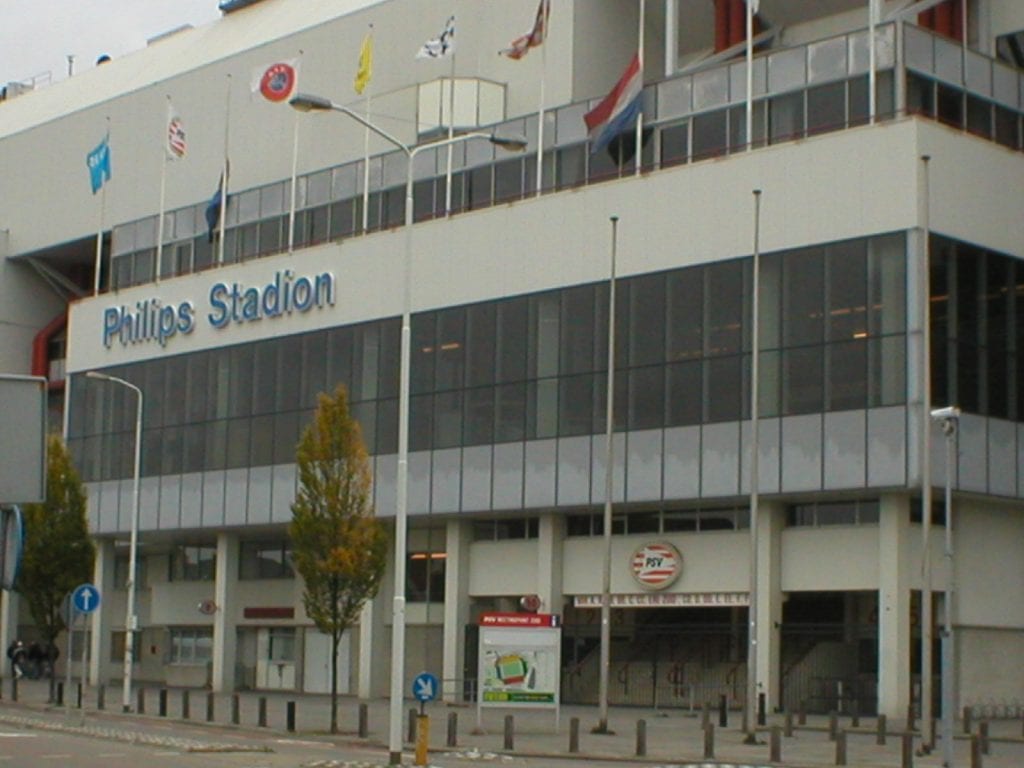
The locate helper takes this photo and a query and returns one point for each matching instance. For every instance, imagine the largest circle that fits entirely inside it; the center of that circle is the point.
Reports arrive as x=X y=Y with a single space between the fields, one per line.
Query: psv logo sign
x=657 y=565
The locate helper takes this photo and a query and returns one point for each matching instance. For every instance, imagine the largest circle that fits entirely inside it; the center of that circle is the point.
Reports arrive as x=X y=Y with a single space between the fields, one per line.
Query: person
x=18 y=655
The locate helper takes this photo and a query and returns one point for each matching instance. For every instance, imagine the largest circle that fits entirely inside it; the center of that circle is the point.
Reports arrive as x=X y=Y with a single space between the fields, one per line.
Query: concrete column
x=102 y=620
x=894 y=606
x=224 y=627
x=771 y=522
x=458 y=536
x=8 y=625
x=364 y=674
x=551 y=533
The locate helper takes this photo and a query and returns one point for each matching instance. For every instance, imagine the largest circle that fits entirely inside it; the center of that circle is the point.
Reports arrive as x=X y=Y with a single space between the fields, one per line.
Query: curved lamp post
x=305 y=102
x=130 y=620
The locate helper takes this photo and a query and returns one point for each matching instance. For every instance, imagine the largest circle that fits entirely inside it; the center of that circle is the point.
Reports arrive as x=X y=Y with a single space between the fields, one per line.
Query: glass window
x=281 y=646
x=450 y=349
x=265 y=560
x=684 y=394
x=722 y=389
x=121 y=572
x=680 y=520
x=510 y=413
x=576 y=416
x=424 y=352
x=675 y=144
x=802 y=371
x=510 y=343
x=826 y=108
x=646 y=319
x=425 y=577
x=803 y=289
x=578 y=329
x=192 y=563
x=447 y=419
x=846 y=375
x=192 y=645
x=646 y=397
x=846 y=299
x=710 y=134
x=723 y=308
x=480 y=336
x=478 y=424
x=786 y=117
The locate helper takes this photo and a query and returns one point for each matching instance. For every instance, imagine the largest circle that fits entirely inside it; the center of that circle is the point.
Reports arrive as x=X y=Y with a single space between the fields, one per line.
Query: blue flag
x=213 y=210
x=98 y=162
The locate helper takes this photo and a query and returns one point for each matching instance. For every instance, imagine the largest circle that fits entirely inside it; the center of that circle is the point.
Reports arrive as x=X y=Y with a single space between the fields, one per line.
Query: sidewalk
x=672 y=736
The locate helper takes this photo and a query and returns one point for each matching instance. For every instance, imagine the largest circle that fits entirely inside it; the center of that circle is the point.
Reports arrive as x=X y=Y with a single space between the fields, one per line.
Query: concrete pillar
x=458 y=536
x=551 y=533
x=771 y=521
x=103 y=619
x=224 y=627
x=894 y=606
x=364 y=675
x=8 y=625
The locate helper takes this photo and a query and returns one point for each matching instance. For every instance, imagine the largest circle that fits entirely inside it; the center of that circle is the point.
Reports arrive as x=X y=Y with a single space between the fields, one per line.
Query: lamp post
x=130 y=620
x=305 y=102
x=949 y=419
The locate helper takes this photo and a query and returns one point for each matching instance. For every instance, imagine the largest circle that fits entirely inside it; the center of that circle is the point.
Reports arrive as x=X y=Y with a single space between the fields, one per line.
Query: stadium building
x=232 y=257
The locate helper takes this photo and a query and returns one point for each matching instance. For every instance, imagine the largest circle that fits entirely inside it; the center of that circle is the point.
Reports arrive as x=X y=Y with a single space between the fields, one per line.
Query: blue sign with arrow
x=425 y=687
x=85 y=598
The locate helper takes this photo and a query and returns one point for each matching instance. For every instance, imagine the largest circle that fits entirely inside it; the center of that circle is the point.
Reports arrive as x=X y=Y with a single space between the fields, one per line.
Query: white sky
x=36 y=36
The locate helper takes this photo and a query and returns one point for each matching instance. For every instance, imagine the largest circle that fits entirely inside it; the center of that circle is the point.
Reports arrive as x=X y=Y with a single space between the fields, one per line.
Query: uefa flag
x=442 y=46
x=175 y=134
x=98 y=162
x=365 y=69
x=276 y=82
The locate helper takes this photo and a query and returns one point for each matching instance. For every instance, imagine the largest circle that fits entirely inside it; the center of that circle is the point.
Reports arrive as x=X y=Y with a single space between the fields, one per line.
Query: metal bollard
x=880 y=731
x=841 y=748
x=801 y=714
x=14 y=688
x=510 y=726
x=855 y=718
x=983 y=736
x=186 y=705
x=788 y=723
x=775 y=744
x=453 y=729
x=364 y=720
x=723 y=712
x=209 y=707
x=101 y=697
x=140 y=705
x=262 y=713
x=60 y=692
x=761 y=716
x=290 y=717
x=833 y=725
x=78 y=697
x=163 y=703
x=967 y=720
x=976 y=758
x=410 y=733
x=907 y=752
x=641 y=738
x=236 y=709
x=574 y=735
x=705 y=716
x=709 y=742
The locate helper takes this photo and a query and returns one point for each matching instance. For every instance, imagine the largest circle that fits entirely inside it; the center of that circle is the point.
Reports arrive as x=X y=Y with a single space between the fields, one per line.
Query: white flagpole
x=451 y=135
x=366 y=156
x=99 y=229
x=295 y=171
x=750 y=76
x=163 y=199
x=224 y=175
x=540 y=111
x=872 y=63
x=640 y=114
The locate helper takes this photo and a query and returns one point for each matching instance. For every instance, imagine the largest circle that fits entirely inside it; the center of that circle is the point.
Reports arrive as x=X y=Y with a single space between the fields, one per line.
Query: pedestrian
x=18 y=655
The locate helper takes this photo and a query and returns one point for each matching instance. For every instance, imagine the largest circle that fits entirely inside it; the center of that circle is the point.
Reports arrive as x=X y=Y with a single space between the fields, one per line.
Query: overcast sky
x=36 y=36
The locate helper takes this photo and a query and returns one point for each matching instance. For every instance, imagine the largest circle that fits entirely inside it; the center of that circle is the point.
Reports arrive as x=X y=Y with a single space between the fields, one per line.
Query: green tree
x=58 y=553
x=338 y=546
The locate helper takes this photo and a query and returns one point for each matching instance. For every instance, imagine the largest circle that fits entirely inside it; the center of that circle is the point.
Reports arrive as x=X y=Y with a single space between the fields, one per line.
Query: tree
x=338 y=545
x=58 y=553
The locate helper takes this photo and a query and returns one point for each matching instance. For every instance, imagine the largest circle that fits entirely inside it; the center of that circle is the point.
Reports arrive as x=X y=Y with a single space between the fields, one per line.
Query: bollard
x=290 y=717
x=510 y=725
x=705 y=716
x=422 y=739
x=776 y=744
x=60 y=692
x=709 y=742
x=967 y=720
x=907 y=756
x=186 y=705
x=262 y=714
x=574 y=735
x=410 y=732
x=801 y=714
x=833 y=725
x=880 y=731
x=788 y=724
x=78 y=697
x=983 y=736
x=761 y=709
x=976 y=759
x=841 y=748
x=453 y=729
x=236 y=709
x=140 y=705
x=14 y=689
x=101 y=697
x=723 y=712
x=209 y=707
x=855 y=718
x=364 y=720
x=163 y=702
x=641 y=738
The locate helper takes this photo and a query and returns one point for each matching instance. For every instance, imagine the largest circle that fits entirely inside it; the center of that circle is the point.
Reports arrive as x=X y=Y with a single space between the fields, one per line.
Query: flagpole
x=295 y=172
x=750 y=75
x=540 y=111
x=872 y=63
x=99 y=229
x=366 y=155
x=163 y=199
x=224 y=175
x=640 y=114
x=451 y=135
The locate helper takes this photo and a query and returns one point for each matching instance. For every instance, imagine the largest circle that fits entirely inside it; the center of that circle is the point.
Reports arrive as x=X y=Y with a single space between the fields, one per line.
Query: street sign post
x=424 y=688
x=85 y=598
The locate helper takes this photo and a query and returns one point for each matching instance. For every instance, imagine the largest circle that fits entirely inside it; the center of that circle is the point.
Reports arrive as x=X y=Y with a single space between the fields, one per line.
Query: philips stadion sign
x=227 y=304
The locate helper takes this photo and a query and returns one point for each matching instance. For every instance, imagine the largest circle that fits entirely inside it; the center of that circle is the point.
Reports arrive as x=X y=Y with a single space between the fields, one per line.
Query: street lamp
x=130 y=620
x=949 y=419
x=305 y=102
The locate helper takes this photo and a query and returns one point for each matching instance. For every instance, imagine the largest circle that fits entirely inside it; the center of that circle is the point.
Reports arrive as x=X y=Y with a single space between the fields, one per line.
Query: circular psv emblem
x=657 y=566
x=278 y=82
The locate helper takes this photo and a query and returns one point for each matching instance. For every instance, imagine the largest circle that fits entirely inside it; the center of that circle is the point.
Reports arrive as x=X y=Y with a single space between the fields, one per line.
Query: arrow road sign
x=85 y=598
x=425 y=687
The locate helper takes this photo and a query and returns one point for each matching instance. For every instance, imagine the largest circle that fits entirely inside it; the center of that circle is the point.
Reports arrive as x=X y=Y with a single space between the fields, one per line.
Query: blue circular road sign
x=425 y=687
x=85 y=598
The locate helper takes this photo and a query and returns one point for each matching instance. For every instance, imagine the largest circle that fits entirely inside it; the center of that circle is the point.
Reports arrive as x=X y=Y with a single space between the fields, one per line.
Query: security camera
x=946 y=414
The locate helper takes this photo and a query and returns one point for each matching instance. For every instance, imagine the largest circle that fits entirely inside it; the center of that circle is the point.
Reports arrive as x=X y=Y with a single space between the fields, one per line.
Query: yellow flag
x=365 y=70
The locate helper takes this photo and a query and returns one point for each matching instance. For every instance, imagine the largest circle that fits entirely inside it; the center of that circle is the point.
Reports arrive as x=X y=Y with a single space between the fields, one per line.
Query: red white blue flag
x=522 y=44
x=618 y=110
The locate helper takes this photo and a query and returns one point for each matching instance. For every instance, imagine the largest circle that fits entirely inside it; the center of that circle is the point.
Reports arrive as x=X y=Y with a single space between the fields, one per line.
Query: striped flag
x=175 y=146
x=522 y=44
x=618 y=110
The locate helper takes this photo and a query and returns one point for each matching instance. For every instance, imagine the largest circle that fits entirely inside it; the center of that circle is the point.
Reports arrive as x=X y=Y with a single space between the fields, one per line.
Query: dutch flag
x=618 y=110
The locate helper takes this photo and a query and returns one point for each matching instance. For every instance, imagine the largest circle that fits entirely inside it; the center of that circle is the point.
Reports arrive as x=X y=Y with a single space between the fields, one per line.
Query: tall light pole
x=130 y=619
x=949 y=419
x=305 y=102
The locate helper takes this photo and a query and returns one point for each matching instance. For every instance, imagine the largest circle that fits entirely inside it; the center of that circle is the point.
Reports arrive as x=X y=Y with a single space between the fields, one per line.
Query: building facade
x=888 y=237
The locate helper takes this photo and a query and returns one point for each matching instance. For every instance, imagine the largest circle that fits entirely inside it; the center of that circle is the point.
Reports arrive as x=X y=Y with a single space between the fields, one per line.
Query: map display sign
x=520 y=664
